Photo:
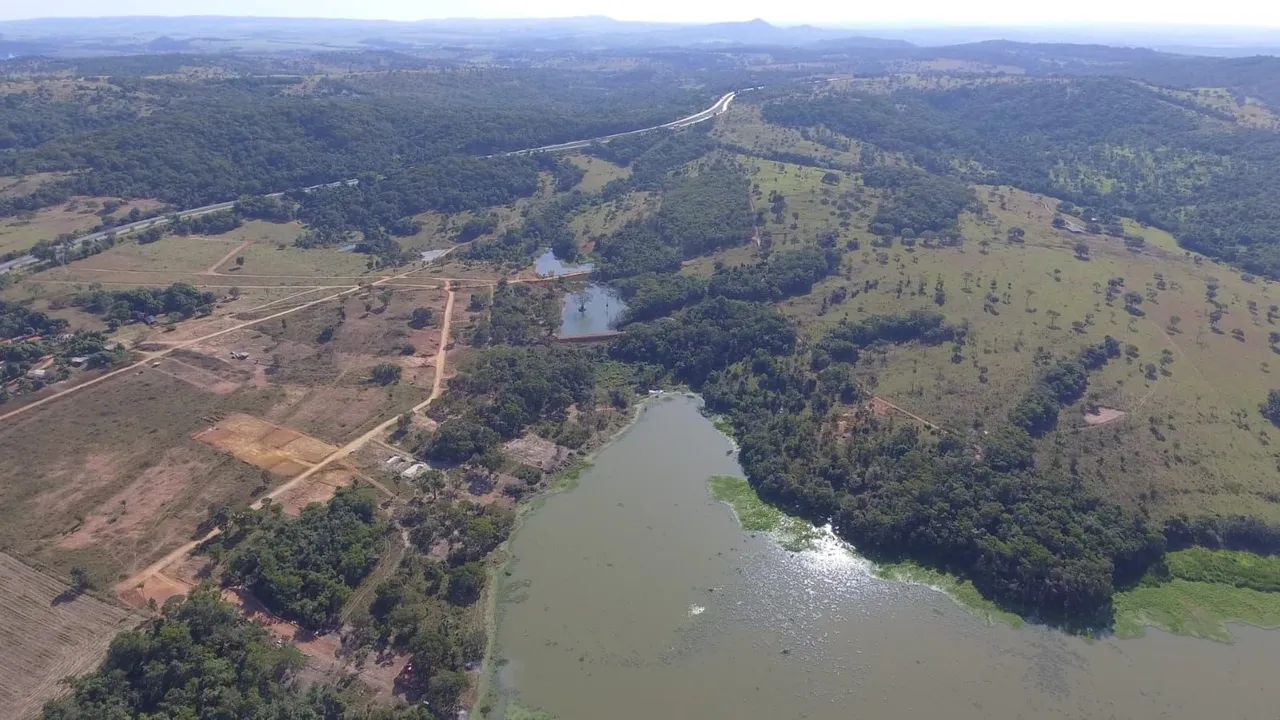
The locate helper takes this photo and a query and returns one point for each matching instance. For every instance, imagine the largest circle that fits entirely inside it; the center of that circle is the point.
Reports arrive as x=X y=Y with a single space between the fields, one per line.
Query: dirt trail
x=213 y=269
x=152 y=356
x=437 y=389
x=913 y=416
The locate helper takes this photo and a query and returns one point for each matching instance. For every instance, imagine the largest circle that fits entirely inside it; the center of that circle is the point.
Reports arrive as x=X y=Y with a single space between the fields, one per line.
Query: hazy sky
x=1243 y=13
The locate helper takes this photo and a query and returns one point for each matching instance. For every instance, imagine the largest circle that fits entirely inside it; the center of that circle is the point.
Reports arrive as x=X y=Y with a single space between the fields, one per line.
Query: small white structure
x=395 y=462
x=413 y=471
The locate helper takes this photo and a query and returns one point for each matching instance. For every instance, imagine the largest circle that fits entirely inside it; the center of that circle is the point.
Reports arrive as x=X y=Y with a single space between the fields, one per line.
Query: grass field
x=17 y=234
x=744 y=127
x=598 y=172
x=1191 y=438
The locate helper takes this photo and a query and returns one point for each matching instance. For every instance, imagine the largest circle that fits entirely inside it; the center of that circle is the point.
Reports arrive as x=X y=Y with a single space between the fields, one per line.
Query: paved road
x=719 y=107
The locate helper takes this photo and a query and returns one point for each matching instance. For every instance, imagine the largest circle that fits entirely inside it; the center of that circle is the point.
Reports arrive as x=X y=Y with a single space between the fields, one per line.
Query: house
x=79 y=361
x=38 y=374
x=239 y=355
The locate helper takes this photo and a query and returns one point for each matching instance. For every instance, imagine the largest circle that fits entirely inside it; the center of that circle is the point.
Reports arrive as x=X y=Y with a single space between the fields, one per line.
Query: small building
x=239 y=355
x=413 y=471
x=40 y=374
x=79 y=361
x=395 y=462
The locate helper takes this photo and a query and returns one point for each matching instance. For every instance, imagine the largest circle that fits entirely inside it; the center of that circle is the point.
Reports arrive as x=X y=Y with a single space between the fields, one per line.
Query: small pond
x=548 y=265
x=593 y=310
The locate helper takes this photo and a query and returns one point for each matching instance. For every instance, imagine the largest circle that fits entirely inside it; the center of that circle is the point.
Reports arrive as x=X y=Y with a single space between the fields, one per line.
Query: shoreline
x=563 y=481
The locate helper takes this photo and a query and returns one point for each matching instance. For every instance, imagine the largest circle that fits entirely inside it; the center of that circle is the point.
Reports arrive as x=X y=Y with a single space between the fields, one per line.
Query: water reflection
x=593 y=310
x=641 y=597
x=548 y=265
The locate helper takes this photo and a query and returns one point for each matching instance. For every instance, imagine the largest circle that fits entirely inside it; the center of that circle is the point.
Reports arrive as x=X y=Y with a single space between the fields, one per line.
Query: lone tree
x=1271 y=408
x=385 y=373
x=420 y=318
x=81 y=581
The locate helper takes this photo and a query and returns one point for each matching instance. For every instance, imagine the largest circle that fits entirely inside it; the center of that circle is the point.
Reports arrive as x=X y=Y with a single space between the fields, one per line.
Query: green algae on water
x=1199 y=592
x=962 y=591
x=756 y=515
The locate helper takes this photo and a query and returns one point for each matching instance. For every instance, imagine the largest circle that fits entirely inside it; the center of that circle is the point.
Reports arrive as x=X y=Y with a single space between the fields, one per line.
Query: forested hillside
x=1110 y=146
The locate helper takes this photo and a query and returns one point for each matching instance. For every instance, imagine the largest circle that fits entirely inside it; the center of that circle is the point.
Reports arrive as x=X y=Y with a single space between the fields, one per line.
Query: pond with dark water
x=592 y=310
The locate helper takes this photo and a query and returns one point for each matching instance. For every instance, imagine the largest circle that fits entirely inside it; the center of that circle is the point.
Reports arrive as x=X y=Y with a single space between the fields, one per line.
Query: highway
x=717 y=108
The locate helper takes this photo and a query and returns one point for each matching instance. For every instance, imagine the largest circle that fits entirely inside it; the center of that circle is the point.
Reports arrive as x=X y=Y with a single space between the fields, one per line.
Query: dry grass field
x=46 y=634
x=77 y=214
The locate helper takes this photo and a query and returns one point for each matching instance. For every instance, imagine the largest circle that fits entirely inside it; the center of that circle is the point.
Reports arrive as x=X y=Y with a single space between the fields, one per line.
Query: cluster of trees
x=782 y=274
x=1271 y=408
x=1062 y=383
x=305 y=568
x=17 y=320
x=547 y=228
x=507 y=389
x=708 y=211
x=651 y=156
x=1107 y=144
x=918 y=202
x=843 y=342
x=202 y=659
x=699 y=214
x=520 y=314
x=705 y=337
x=180 y=301
x=1031 y=539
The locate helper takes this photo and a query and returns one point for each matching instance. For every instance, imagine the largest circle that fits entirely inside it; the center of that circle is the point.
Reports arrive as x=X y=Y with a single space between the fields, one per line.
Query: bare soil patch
x=112 y=480
x=46 y=635
x=537 y=452
x=279 y=450
x=1103 y=415
x=319 y=488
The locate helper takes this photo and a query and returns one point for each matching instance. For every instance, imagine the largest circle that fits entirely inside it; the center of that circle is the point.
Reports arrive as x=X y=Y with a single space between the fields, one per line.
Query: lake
x=593 y=310
x=635 y=596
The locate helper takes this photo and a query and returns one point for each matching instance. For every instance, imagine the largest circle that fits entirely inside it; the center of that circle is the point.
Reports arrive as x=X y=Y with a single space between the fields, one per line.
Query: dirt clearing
x=279 y=450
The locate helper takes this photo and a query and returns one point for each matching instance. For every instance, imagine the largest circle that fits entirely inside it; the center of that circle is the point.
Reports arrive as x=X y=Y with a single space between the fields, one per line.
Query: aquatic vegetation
x=755 y=515
x=1198 y=592
x=958 y=589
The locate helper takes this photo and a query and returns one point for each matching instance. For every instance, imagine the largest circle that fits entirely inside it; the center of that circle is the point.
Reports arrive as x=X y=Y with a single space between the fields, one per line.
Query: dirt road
x=437 y=389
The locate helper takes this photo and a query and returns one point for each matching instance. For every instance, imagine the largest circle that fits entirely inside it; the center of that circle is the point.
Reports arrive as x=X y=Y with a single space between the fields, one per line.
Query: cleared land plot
x=110 y=478
x=47 y=635
x=279 y=450
x=311 y=370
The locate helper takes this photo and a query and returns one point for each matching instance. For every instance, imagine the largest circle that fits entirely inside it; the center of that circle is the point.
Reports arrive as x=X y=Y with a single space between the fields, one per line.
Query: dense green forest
x=202 y=660
x=192 y=143
x=305 y=568
x=1110 y=146
x=507 y=389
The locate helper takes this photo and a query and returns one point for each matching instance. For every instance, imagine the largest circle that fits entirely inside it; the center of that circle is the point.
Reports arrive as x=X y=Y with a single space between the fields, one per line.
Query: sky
x=1240 y=13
